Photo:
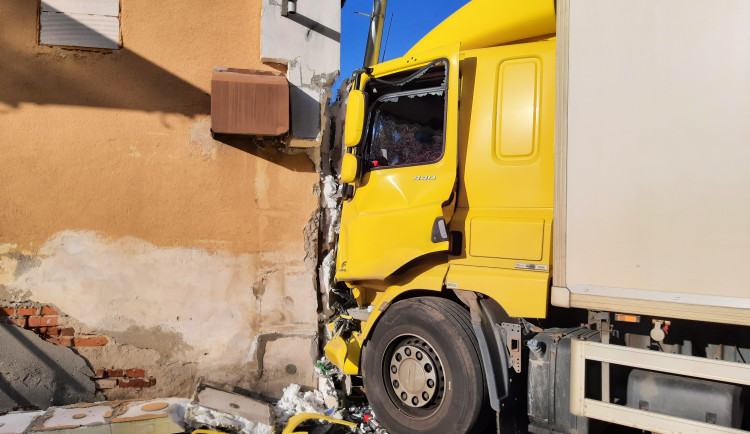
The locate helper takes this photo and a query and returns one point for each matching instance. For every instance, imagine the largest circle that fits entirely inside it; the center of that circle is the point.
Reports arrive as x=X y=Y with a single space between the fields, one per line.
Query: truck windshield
x=407 y=117
x=407 y=129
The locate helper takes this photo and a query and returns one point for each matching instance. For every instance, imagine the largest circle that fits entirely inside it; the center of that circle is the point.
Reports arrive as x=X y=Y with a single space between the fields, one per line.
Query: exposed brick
x=90 y=341
x=99 y=373
x=68 y=331
x=26 y=311
x=65 y=342
x=49 y=331
x=137 y=382
x=20 y=322
x=114 y=373
x=42 y=321
x=135 y=373
x=107 y=383
x=7 y=311
x=47 y=310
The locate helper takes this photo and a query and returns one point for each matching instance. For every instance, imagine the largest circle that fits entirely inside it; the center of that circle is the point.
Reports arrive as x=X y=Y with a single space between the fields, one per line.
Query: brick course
x=47 y=310
x=42 y=321
x=65 y=342
x=106 y=384
x=20 y=322
x=115 y=372
x=45 y=321
x=90 y=341
x=26 y=311
x=49 y=331
x=135 y=373
x=137 y=382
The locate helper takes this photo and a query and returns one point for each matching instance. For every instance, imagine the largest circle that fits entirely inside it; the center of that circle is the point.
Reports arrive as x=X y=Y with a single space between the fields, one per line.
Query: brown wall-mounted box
x=246 y=101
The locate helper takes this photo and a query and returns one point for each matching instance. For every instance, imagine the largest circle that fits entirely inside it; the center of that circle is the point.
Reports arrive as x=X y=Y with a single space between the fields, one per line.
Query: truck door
x=404 y=199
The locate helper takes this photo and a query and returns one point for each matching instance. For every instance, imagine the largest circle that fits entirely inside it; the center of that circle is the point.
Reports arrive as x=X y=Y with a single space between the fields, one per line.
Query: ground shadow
x=27 y=359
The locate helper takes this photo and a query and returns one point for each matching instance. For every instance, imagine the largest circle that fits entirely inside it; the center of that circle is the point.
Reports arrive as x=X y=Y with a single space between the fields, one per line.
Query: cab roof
x=487 y=23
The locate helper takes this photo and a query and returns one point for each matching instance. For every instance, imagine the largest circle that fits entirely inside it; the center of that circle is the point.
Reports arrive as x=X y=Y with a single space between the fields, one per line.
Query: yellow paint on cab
x=523 y=293
x=346 y=353
x=505 y=177
x=509 y=238
x=389 y=220
x=355 y=118
x=487 y=23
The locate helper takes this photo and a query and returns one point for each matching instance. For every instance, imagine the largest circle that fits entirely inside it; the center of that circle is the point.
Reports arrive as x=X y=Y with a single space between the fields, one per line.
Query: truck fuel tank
x=549 y=381
x=690 y=398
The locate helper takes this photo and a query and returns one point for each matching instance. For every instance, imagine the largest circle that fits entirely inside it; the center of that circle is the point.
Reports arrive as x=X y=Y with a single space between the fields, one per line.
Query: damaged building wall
x=129 y=234
x=307 y=41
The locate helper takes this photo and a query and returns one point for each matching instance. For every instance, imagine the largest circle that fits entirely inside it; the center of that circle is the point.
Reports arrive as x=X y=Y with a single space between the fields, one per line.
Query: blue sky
x=412 y=19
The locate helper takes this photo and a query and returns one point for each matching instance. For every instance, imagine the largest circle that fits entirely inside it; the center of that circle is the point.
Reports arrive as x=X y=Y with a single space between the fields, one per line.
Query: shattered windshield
x=408 y=130
x=407 y=119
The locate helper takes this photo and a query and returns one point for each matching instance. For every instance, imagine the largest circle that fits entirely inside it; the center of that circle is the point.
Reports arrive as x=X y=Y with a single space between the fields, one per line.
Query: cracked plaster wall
x=194 y=257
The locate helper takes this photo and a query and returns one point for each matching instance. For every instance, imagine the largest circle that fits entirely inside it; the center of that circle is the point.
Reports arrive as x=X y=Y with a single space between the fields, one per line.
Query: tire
x=438 y=332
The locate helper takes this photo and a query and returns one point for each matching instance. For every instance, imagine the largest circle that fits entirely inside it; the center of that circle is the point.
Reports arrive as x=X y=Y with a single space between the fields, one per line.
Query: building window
x=80 y=23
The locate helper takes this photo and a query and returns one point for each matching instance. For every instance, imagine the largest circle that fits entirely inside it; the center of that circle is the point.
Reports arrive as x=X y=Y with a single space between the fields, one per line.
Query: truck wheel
x=422 y=369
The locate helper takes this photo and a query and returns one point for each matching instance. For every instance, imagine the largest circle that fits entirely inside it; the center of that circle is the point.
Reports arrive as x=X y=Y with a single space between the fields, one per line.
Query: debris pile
x=329 y=400
x=342 y=408
x=324 y=400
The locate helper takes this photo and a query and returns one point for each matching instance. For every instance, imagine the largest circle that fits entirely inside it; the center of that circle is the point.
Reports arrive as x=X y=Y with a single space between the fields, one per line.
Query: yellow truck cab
x=445 y=253
x=418 y=219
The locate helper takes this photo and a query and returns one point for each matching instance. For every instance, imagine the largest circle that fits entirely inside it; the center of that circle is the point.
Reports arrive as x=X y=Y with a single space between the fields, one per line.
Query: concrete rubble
x=229 y=411
x=209 y=408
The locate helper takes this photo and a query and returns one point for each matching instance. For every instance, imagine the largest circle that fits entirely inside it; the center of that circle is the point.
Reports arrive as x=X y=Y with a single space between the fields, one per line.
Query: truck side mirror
x=349 y=168
x=355 y=118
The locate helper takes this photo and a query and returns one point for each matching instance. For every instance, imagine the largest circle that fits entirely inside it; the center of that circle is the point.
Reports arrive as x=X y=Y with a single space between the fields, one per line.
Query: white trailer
x=652 y=201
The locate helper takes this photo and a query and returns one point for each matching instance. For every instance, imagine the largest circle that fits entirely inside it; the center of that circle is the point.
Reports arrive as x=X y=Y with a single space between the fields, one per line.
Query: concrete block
x=16 y=423
x=59 y=418
x=106 y=383
x=288 y=360
x=233 y=403
x=231 y=411
x=170 y=408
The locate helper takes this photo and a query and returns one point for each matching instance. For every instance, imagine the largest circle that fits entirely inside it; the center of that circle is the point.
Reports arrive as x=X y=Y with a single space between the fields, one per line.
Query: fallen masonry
x=212 y=410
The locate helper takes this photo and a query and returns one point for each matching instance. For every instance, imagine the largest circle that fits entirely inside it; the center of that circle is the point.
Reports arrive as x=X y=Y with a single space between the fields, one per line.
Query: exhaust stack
x=375 y=35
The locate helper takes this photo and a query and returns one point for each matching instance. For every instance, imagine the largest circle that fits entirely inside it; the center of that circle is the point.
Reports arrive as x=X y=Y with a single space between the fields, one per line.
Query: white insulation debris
x=324 y=400
x=295 y=401
x=205 y=416
x=331 y=195
x=327 y=269
x=330 y=191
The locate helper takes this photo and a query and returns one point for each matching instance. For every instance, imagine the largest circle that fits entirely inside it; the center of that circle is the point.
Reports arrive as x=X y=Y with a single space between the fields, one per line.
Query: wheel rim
x=414 y=375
